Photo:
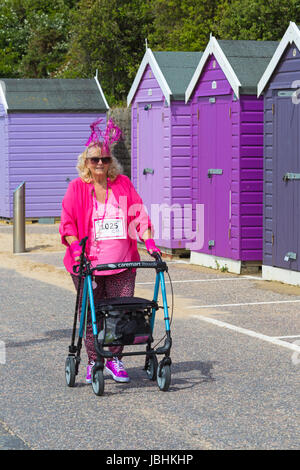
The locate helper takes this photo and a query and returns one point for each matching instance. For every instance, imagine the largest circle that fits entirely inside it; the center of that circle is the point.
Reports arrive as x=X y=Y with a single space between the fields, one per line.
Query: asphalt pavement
x=235 y=369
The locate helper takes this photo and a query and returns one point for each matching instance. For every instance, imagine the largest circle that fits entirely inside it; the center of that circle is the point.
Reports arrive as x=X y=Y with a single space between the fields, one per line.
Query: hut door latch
x=290 y=256
x=214 y=171
x=148 y=170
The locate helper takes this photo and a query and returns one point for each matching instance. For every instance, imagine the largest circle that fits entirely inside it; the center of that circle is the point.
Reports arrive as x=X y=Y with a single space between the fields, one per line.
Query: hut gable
x=243 y=63
x=172 y=71
x=291 y=36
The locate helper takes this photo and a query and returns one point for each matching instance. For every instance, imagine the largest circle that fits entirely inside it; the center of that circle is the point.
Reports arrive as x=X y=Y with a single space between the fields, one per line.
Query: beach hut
x=280 y=86
x=44 y=124
x=160 y=145
x=227 y=152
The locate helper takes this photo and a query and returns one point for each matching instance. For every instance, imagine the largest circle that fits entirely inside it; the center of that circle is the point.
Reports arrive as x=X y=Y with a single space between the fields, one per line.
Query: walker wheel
x=70 y=371
x=98 y=382
x=152 y=367
x=163 y=377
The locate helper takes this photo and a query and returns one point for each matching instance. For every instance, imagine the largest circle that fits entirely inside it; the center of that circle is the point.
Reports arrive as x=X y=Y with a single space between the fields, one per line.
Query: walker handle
x=157 y=256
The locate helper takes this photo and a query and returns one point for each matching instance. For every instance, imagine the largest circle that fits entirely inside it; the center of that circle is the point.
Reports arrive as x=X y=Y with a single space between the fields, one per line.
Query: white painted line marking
x=256 y=278
x=253 y=334
x=241 y=305
x=282 y=337
x=40 y=253
x=177 y=262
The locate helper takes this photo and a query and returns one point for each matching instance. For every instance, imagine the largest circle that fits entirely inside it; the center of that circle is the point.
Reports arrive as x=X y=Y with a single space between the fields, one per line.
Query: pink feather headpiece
x=111 y=135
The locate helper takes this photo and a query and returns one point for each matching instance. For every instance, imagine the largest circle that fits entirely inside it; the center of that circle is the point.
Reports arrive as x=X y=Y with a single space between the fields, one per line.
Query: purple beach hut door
x=286 y=179
x=150 y=154
x=214 y=133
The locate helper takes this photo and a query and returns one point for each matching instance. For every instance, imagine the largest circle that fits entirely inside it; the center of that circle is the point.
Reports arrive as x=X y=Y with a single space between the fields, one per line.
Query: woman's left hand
x=151 y=247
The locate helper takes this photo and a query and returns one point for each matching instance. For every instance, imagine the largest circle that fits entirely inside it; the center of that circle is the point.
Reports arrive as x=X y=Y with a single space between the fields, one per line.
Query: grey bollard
x=19 y=219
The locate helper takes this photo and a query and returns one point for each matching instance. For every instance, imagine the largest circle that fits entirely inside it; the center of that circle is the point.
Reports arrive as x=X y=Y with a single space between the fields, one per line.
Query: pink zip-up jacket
x=77 y=208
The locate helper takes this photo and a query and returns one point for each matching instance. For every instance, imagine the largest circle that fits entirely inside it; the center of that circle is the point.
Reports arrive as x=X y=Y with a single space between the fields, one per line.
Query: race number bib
x=109 y=229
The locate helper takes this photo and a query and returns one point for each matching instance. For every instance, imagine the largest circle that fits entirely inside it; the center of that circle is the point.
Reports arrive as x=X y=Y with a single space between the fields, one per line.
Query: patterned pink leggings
x=114 y=285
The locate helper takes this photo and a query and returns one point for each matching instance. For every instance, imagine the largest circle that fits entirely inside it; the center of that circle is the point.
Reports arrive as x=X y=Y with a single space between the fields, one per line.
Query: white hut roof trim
x=172 y=70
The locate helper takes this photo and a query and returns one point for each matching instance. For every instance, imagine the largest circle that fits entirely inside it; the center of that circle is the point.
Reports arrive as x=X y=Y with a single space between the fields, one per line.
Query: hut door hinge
x=273 y=109
x=272 y=239
x=229 y=111
x=198 y=114
x=162 y=116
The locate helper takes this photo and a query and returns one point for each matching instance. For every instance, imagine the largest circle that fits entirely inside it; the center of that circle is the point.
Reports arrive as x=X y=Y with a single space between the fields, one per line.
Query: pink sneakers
x=116 y=369
x=89 y=372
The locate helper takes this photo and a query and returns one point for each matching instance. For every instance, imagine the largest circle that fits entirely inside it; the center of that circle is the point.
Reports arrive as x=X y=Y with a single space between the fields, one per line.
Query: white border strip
x=253 y=334
x=287 y=276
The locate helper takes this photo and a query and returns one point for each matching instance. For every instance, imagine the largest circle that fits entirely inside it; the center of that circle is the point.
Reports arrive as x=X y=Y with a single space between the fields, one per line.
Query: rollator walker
x=120 y=321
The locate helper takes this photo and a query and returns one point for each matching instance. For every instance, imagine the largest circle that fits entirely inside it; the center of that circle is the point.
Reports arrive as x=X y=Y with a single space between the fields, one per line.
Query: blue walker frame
x=84 y=270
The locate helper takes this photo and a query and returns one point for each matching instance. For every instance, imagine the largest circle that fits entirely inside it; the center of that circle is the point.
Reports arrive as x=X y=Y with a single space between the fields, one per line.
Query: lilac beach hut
x=161 y=139
x=227 y=152
x=44 y=124
x=280 y=86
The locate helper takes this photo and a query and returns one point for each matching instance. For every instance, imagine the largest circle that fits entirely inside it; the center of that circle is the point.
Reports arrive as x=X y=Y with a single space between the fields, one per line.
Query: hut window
x=294 y=52
x=214 y=85
x=214 y=64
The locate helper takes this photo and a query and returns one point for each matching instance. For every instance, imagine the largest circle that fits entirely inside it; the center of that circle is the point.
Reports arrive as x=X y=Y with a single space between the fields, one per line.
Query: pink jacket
x=77 y=208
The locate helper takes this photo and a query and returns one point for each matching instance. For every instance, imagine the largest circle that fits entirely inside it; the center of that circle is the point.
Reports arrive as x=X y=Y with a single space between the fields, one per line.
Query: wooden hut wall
x=246 y=115
x=280 y=212
x=4 y=206
x=156 y=98
x=43 y=150
x=174 y=169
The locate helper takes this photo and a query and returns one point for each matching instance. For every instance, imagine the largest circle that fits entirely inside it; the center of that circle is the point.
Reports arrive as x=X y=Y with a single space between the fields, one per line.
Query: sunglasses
x=104 y=160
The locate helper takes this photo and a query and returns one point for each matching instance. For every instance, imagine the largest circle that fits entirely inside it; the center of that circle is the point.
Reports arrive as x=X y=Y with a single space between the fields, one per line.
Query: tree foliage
x=108 y=35
x=33 y=36
x=182 y=25
x=73 y=38
x=255 y=19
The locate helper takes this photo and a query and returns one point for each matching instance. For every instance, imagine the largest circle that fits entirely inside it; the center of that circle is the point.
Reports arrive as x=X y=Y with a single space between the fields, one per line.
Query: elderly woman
x=102 y=194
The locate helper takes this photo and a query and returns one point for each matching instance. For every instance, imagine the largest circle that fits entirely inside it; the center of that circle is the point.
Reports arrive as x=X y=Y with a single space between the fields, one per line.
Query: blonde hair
x=114 y=169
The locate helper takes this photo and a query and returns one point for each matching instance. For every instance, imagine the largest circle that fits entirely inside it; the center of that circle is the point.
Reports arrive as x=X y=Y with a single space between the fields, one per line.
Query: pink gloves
x=76 y=250
x=151 y=247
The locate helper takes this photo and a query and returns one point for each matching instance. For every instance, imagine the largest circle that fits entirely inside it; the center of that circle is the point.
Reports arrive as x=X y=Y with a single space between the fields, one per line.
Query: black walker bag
x=124 y=321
